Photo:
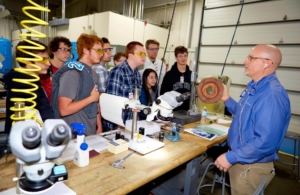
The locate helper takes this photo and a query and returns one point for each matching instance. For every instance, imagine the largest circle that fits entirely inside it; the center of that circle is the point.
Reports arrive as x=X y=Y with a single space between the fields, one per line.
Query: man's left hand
x=222 y=163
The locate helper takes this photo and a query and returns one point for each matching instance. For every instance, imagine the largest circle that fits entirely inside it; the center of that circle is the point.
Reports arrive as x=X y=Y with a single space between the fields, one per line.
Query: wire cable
x=237 y=23
x=162 y=63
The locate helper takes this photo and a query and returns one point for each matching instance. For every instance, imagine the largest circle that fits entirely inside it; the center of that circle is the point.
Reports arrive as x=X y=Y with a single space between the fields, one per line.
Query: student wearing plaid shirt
x=123 y=79
x=100 y=69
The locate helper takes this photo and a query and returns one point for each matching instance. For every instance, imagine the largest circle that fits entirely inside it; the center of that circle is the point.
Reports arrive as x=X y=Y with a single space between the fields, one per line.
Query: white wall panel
x=75 y=27
x=294 y=97
x=295 y=124
x=121 y=29
x=269 y=33
x=217 y=3
x=178 y=33
x=288 y=78
x=290 y=54
x=229 y=15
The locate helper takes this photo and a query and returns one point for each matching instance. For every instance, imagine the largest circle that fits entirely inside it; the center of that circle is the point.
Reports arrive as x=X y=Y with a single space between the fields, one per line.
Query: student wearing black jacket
x=179 y=77
x=42 y=102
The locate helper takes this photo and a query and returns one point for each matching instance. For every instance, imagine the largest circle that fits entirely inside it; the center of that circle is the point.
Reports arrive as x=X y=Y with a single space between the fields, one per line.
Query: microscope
x=163 y=106
x=35 y=149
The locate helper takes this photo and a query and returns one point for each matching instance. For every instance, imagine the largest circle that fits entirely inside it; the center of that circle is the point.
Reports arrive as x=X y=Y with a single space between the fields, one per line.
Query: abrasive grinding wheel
x=210 y=90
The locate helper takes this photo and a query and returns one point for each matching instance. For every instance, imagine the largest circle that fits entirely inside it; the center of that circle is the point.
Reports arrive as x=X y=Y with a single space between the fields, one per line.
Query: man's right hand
x=95 y=94
x=225 y=96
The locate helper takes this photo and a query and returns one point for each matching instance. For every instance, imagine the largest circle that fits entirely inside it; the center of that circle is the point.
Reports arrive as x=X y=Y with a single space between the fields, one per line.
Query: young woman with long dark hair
x=149 y=87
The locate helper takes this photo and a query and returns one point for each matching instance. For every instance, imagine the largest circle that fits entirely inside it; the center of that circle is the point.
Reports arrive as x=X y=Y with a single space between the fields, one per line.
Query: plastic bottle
x=80 y=128
x=203 y=116
x=81 y=156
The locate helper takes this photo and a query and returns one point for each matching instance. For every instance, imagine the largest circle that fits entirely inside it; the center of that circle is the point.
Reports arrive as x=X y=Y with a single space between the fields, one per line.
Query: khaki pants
x=245 y=179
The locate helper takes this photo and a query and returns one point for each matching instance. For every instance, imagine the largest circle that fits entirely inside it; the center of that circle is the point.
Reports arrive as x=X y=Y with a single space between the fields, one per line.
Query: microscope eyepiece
x=31 y=138
x=58 y=135
x=183 y=97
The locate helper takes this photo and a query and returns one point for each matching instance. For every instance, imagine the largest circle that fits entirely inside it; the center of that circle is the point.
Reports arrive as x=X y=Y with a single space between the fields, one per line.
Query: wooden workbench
x=101 y=178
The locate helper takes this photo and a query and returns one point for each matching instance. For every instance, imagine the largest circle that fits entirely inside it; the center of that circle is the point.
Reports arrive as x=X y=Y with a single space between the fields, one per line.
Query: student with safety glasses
x=100 y=69
x=10 y=85
x=75 y=95
x=123 y=79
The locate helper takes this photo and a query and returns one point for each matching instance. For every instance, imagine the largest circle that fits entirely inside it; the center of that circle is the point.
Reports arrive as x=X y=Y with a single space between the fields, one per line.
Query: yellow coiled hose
x=34 y=68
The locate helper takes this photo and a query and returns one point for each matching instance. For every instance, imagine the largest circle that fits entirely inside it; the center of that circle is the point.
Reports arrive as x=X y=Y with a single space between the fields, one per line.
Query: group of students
x=71 y=90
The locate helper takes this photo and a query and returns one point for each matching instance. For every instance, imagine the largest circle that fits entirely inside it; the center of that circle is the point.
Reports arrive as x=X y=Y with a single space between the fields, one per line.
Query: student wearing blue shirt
x=124 y=78
x=149 y=89
x=261 y=119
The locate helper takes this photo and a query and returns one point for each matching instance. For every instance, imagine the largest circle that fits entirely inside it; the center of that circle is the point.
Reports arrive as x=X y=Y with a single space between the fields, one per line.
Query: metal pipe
x=190 y=23
x=63 y=9
x=142 y=15
x=200 y=36
x=19 y=164
x=136 y=9
x=129 y=8
x=140 y=9
x=19 y=172
x=124 y=7
x=136 y=96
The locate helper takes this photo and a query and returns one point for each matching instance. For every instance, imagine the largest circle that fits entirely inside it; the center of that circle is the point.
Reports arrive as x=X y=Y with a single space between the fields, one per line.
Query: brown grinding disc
x=210 y=90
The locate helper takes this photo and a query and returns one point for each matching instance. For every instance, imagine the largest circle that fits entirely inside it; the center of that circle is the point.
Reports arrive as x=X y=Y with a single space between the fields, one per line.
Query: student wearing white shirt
x=152 y=47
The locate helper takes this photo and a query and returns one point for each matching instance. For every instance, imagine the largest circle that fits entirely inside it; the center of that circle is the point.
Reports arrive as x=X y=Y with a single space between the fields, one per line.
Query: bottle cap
x=79 y=127
x=84 y=146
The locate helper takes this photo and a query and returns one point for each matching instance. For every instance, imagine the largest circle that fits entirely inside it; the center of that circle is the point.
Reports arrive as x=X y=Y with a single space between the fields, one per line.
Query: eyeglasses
x=99 y=51
x=152 y=77
x=153 y=49
x=141 y=54
x=250 y=58
x=65 y=49
x=182 y=56
x=107 y=49
x=44 y=60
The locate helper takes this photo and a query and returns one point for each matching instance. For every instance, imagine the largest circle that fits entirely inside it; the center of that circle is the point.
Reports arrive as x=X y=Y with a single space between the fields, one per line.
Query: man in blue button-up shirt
x=261 y=119
x=123 y=79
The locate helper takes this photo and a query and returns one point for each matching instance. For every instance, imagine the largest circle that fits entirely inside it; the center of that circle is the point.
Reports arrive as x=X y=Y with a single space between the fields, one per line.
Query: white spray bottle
x=81 y=155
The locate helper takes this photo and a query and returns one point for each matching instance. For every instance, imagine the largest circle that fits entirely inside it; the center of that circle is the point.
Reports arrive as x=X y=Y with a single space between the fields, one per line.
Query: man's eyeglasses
x=250 y=58
x=182 y=56
x=141 y=54
x=152 y=77
x=107 y=49
x=99 y=51
x=153 y=49
x=65 y=49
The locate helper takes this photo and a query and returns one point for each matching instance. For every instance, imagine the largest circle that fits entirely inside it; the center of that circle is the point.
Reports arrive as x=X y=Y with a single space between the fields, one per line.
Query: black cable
x=237 y=23
x=5 y=160
x=162 y=63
